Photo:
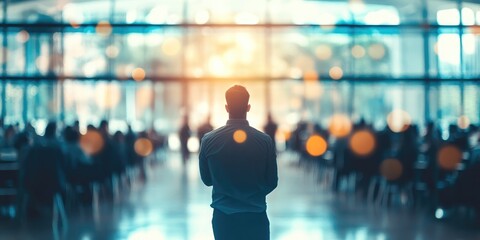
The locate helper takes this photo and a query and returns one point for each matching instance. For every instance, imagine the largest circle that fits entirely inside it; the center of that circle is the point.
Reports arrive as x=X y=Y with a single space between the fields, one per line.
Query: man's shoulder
x=223 y=130
x=212 y=133
x=260 y=134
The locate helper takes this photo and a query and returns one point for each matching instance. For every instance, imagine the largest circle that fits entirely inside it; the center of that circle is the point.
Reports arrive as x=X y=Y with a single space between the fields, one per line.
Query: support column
x=426 y=57
x=3 y=96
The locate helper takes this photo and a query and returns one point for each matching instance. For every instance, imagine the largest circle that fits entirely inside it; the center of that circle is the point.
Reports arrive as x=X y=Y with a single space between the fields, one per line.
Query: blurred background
x=374 y=107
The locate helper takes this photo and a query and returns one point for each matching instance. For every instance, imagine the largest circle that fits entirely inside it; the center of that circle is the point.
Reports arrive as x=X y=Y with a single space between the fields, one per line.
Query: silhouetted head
x=71 y=134
x=76 y=125
x=21 y=140
x=51 y=130
x=118 y=136
x=237 y=102
x=269 y=117
x=103 y=126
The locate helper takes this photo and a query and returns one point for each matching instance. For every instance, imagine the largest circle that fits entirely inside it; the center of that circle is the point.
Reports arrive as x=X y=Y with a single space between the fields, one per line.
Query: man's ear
x=248 y=108
x=226 y=108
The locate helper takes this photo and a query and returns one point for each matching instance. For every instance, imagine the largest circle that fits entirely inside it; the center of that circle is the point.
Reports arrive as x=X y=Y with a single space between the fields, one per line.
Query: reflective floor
x=174 y=204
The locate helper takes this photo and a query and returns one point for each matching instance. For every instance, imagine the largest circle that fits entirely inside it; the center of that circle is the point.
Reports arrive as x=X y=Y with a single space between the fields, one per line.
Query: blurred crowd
x=65 y=162
x=413 y=166
x=432 y=166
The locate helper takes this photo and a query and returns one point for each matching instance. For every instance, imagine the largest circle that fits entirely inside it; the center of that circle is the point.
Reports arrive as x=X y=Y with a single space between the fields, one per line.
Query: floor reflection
x=174 y=204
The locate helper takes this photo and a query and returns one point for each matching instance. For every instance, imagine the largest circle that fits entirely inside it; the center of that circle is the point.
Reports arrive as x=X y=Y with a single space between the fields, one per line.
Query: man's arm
x=204 y=169
x=272 y=175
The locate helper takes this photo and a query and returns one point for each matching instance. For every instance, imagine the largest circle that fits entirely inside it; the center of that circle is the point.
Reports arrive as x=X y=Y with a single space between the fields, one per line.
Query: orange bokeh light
x=336 y=73
x=398 y=120
x=143 y=147
x=138 y=74
x=391 y=169
x=362 y=143
x=449 y=156
x=287 y=135
x=74 y=24
x=474 y=29
x=91 y=142
x=463 y=122
x=310 y=76
x=316 y=145
x=103 y=28
x=240 y=136
x=340 y=125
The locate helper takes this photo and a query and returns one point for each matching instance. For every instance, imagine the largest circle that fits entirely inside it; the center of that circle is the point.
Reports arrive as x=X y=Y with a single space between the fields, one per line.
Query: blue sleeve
x=271 y=175
x=203 y=162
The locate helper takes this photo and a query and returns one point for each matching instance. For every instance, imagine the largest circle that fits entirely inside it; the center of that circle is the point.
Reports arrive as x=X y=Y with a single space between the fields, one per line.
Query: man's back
x=240 y=162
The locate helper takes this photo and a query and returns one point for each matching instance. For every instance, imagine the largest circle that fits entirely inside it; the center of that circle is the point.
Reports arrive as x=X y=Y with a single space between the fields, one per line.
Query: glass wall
x=148 y=63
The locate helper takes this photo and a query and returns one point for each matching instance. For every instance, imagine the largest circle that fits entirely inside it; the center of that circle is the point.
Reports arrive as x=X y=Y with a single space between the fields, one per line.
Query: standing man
x=240 y=163
x=184 y=134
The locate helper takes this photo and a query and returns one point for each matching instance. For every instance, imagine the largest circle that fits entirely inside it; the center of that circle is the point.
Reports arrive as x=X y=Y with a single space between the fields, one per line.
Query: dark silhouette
x=204 y=129
x=44 y=172
x=271 y=128
x=240 y=163
x=184 y=134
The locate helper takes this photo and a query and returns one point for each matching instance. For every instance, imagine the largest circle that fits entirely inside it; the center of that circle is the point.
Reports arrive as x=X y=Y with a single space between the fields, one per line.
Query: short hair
x=237 y=99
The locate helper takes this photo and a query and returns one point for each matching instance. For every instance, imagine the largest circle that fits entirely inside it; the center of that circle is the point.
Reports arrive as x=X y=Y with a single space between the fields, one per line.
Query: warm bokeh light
x=475 y=29
x=323 y=52
x=284 y=135
x=376 y=51
x=138 y=74
x=391 y=169
x=340 y=125
x=171 y=46
x=74 y=24
x=22 y=36
x=103 y=28
x=362 y=142
x=313 y=90
x=143 y=147
x=107 y=95
x=112 y=51
x=310 y=76
x=398 y=120
x=218 y=67
x=336 y=73
x=449 y=156
x=91 y=142
x=358 y=51
x=240 y=136
x=42 y=63
x=144 y=97
x=463 y=122
x=316 y=145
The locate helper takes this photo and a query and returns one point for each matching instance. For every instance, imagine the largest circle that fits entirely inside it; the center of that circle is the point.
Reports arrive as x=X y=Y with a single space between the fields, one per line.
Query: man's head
x=237 y=102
